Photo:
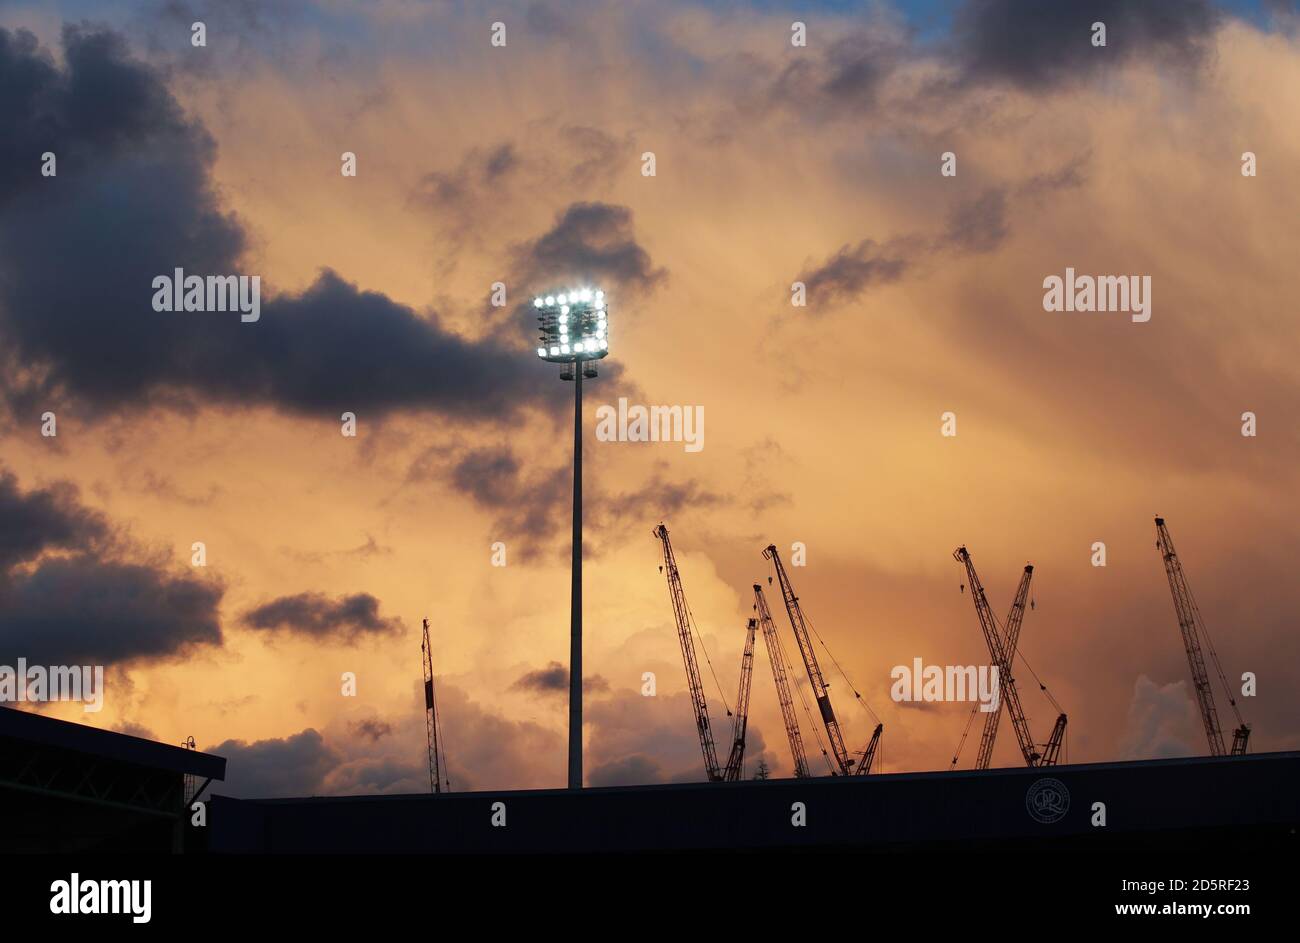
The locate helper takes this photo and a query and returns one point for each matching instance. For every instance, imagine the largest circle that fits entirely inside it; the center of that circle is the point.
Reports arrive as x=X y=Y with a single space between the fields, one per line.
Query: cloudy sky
x=523 y=164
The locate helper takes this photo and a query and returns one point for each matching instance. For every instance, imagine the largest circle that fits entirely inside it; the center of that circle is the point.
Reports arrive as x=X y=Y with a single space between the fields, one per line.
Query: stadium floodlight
x=569 y=322
x=574 y=329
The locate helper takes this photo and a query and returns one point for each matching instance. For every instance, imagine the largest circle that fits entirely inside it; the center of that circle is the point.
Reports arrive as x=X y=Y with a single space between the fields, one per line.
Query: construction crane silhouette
x=991 y=719
x=799 y=624
x=1193 y=628
x=431 y=722
x=780 y=675
x=686 y=636
x=739 y=723
x=1002 y=647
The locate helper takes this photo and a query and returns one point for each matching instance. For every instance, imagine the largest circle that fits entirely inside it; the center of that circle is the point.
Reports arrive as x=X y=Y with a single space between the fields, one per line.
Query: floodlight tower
x=574 y=333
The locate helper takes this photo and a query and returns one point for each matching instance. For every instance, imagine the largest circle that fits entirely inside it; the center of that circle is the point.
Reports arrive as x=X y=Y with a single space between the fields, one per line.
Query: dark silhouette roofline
x=33 y=727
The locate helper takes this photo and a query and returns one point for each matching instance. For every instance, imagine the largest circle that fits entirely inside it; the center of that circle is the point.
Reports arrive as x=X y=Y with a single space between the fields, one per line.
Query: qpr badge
x=1047 y=800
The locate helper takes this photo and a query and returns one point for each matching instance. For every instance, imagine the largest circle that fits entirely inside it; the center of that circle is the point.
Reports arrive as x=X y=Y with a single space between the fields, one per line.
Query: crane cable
x=443 y=766
x=1214 y=656
x=812 y=724
x=690 y=619
x=970 y=722
x=861 y=700
x=1042 y=687
x=440 y=754
x=808 y=621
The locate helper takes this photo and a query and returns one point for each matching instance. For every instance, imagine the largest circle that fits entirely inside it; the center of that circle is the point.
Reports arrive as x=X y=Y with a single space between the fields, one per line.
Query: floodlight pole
x=584 y=312
x=575 y=616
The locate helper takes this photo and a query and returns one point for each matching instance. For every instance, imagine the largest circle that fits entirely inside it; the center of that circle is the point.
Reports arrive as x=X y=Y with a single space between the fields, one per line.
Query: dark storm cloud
x=638 y=770
x=487 y=750
x=242 y=34
x=1037 y=45
x=1067 y=177
x=80 y=610
x=477 y=170
x=530 y=506
x=635 y=739
x=277 y=768
x=973 y=226
x=656 y=499
x=978 y=225
x=491 y=476
x=592 y=243
x=598 y=155
x=99 y=104
x=86 y=605
x=847 y=78
x=47 y=518
x=347 y=618
x=554 y=679
x=372 y=729
x=134 y=199
x=368 y=776
x=852 y=270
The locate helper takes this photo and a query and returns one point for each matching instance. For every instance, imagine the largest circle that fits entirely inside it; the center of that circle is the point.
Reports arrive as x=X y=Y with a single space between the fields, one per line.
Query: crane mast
x=1014 y=620
x=683 y=618
x=430 y=713
x=1006 y=683
x=1053 y=749
x=779 y=675
x=1193 y=627
x=802 y=637
x=740 y=720
x=869 y=755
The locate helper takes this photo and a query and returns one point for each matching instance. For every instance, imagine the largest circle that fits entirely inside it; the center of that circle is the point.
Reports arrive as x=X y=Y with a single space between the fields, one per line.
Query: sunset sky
x=523 y=164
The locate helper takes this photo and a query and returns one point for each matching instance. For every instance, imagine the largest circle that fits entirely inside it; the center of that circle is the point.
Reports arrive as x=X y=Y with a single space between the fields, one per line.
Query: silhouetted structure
x=821 y=690
x=70 y=787
x=1197 y=803
x=1193 y=629
x=781 y=678
x=432 y=723
x=1002 y=650
x=574 y=328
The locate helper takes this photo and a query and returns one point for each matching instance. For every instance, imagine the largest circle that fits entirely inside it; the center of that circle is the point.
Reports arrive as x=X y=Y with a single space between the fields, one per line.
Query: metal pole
x=575 y=623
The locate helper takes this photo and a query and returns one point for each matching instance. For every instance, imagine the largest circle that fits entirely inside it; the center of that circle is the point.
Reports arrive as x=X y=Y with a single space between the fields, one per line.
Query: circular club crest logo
x=1047 y=800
